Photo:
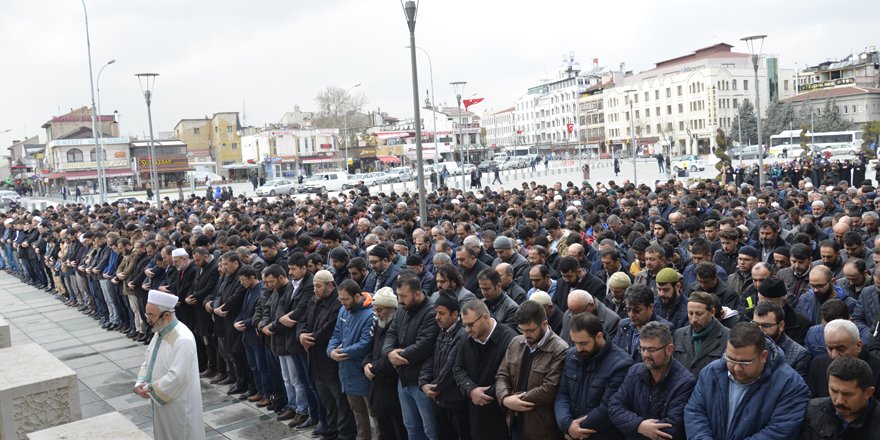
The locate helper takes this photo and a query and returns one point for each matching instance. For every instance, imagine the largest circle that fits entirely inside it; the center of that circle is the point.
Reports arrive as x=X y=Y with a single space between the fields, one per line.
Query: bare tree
x=335 y=104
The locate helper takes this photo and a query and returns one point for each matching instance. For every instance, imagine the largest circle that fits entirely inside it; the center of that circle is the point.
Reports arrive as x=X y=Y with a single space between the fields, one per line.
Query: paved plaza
x=107 y=363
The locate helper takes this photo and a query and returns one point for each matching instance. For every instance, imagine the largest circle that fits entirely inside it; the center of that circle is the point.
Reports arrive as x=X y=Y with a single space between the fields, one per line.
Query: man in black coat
x=384 y=402
x=842 y=339
x=296 y=306
x=408 y=345
x=437 y=380
x=204 y=284
x=478 y=359
x=226 y=307
x=314 y=332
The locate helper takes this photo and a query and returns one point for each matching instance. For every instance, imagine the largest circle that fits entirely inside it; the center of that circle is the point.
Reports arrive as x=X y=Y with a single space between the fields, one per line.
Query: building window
x=735 y=103
x=229 y=130
x=647 y=113
x=668 y=109
x=646 y=96
x=679 y=90
x=681 y=125
x=681 y=108
x=216 y=129
x=668 y=92
x=74 y=155
x=785 y=85
x=656 y=94
x=196 y=130
x=745 y=84
x=734 y=84
x=234 y=145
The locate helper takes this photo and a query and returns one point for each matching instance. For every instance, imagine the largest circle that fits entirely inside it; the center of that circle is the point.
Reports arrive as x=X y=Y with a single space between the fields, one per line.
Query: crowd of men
x=607 y=311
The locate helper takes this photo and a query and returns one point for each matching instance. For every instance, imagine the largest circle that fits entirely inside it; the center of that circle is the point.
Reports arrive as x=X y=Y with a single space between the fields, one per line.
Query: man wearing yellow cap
x=170 y=375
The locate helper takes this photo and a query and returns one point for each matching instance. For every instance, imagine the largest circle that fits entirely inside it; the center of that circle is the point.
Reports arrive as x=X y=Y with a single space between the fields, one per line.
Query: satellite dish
x=863 y=56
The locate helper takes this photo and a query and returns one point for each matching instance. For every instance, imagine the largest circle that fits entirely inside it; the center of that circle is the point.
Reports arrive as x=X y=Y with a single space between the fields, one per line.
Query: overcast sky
x=273 y=54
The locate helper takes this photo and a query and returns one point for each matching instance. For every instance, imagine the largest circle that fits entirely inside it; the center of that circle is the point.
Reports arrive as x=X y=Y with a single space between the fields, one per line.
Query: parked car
x=690 y=163
x=786 y=150
x=276 y=187
x=201 y=175
x=323 y=182
x=488 y=165
x=127 y=200
x=840 y=149
x=9 y=199
x=451 y=167
x=469 y=168
x=746 y=152
x=354 y=180
x=400 y=174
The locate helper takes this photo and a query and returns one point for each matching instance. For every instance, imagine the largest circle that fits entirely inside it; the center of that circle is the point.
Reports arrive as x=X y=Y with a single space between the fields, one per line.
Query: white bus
x=520 y=150
x=837 y=142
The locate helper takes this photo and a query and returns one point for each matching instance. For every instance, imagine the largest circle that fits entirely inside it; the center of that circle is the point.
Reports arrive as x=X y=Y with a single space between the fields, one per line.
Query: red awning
x=389 y=159
x=88 y=174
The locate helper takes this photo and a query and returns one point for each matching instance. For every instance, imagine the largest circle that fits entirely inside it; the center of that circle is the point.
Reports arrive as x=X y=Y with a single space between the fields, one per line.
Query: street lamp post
x=345 y=131
x=757 y=42
x=632 y=135
x=410 y=9
x=95 y=129
x=458 y=86
x=434 y=113
x=101 y=175
x=148 y=83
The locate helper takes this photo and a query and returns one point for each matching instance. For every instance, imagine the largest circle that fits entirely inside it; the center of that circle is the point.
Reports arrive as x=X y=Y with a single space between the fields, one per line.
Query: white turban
x=164 y=301
x=179 y=252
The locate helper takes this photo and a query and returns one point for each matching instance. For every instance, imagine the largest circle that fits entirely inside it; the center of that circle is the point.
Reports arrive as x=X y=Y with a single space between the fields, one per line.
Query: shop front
x=171 y=170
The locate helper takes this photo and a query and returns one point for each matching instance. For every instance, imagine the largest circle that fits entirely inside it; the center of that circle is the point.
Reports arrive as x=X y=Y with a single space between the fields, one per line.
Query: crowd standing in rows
x=712 y=311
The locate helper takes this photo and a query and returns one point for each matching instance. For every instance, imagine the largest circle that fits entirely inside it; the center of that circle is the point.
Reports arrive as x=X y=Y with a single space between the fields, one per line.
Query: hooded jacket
x=352 y=334
x=772 y=407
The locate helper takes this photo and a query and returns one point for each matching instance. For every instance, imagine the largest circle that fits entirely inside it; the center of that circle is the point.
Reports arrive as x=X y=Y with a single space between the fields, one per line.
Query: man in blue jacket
x=640 y=311
x=593 y=371
x=350 y=343
x=749 y=393
x=665 y=382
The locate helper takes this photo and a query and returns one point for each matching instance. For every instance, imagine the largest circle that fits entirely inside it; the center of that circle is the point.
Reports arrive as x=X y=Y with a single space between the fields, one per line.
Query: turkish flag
x=470 y=102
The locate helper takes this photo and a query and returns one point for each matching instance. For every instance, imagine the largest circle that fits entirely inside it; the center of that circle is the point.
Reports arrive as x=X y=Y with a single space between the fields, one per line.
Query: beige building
x=79 y=120
x=211 y=143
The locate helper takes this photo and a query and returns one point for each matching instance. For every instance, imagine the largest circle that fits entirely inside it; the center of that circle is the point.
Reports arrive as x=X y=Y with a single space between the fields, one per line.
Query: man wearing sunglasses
x=749 y=392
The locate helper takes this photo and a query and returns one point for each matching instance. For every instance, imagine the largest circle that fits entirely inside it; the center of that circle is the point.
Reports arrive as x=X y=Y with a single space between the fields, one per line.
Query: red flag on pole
x=470 y=102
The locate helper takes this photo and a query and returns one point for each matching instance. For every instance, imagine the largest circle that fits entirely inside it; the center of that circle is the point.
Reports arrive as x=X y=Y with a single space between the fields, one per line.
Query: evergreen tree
x=830 y=119
x=780 y=116
x=749 y=127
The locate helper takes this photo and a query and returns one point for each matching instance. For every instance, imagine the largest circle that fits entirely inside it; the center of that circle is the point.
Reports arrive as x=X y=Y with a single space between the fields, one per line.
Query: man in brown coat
x=529 y=374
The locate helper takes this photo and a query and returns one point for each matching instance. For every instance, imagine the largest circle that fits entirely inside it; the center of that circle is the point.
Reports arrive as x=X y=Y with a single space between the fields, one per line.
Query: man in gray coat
x=705 y=339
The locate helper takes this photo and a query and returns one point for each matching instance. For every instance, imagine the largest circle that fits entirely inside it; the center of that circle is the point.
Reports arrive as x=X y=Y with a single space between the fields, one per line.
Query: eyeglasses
x=652 y=350
x=740 y=363
x=767 y=326
x=474 y=322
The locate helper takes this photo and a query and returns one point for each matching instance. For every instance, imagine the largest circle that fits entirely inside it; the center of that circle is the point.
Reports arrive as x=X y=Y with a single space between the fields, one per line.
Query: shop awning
x=88 y=174
x=389 y=159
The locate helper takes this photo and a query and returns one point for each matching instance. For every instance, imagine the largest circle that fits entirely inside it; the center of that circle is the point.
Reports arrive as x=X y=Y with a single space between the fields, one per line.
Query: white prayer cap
x=557 y=197
x=570 y=208
x=7 y=221
x=577 y=203
x=131 y=210
x=197 y=229
x=541 y=297
x=162 y=300
x=539 y=198
x=37 y=219
x=455 y=201
x=179 y=252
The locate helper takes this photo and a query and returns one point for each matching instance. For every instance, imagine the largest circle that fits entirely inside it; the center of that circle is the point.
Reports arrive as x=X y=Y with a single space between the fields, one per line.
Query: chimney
x=622 y=66
x=595 y=63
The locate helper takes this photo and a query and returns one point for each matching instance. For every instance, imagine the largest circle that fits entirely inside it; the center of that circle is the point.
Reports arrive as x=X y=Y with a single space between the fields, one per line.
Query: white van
x=323 y=182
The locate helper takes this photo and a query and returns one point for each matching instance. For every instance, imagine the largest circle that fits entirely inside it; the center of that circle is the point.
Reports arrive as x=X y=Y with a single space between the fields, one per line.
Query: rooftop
x=836 y=92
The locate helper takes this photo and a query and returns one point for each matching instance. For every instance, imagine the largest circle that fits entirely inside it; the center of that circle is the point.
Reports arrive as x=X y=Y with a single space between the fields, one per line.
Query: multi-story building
x=542 y=115
x=70 y=154
x=858 y=105
x=591 y=114
x=859 y=70
x=26 y=158
x=171 y=162
x=289 y=152
x=212 y=142
x=687 y=98
x=499 y=126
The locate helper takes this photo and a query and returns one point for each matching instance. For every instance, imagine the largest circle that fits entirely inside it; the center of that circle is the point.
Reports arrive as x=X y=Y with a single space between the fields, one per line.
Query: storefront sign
x=164 y=163
x=828 y=84
x=88 y=141
x=69 y=166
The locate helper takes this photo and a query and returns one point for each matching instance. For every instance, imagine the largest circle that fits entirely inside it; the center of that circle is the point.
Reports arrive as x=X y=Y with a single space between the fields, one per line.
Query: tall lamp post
x=434 y=113
x=345 y=131
x=757 y=42
x=95 y=129
x=632 y=135
x=100 y=153
x=458 y=86
x=148 y=83
x=410 y=9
